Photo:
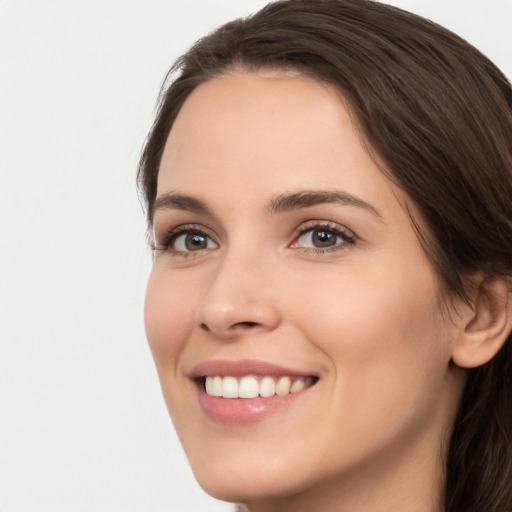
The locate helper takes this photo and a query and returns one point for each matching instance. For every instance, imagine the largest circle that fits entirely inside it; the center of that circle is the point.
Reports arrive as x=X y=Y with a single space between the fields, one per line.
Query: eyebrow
x=305 y=199
x=279 y=204
x=176 y=201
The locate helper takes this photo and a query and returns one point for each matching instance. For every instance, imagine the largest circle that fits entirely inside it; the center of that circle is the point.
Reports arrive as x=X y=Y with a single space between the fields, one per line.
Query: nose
x=239 y=299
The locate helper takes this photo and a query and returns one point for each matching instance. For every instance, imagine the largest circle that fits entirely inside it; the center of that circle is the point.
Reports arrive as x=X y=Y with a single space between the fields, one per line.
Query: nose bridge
x=238 y=295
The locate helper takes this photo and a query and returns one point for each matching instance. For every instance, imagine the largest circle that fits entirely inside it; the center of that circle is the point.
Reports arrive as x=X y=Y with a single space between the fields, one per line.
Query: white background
x=83 y=427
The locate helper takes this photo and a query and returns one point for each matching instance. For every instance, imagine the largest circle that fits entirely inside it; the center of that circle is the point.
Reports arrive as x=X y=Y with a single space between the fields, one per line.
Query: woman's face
x=286 y=258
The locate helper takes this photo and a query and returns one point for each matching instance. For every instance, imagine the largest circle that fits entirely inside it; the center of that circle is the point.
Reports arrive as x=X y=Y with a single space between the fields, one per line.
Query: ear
x=485 y=327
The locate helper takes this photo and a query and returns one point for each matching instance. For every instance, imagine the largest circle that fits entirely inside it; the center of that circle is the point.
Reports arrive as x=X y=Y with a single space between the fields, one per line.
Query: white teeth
x=267 y=387
x=214 y=386
x=217 y=386
x=298 y=385
x=229 y=387
x=209 y=386
x=283 y=386
x=249 y=386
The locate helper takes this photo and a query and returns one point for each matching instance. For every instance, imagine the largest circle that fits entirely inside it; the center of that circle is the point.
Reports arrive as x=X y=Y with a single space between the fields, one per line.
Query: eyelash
x=348 y=239
x=170 y=237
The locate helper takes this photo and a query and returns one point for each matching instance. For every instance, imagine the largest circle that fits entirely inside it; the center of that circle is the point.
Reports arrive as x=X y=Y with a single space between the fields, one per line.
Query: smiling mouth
x=252 y=386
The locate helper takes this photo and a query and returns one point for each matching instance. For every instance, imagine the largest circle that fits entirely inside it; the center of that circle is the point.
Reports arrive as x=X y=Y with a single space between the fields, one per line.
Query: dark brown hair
x=439 y=115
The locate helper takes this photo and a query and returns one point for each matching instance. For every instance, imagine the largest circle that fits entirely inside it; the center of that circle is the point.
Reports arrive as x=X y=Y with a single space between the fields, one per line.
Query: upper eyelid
x=166 y=223
x=325 y=224
x=183 y=228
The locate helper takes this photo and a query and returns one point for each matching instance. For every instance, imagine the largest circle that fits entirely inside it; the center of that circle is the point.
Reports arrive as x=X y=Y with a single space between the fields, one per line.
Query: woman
x=328 y=184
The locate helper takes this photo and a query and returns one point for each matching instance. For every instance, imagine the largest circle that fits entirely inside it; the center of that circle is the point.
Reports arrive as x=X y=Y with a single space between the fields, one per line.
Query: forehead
x=275 y=125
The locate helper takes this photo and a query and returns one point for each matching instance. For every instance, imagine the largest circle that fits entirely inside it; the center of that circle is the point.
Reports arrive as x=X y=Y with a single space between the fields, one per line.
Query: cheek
x=357 y=309
x=168 y=317
x=384 y=334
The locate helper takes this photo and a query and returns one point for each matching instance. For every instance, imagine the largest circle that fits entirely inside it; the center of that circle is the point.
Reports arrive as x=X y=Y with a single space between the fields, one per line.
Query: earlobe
x=486 y=327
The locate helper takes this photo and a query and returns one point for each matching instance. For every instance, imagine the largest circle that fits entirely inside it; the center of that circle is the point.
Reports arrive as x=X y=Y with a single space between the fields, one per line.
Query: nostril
x=231 y=329
x=237 y=326
x=245 y=325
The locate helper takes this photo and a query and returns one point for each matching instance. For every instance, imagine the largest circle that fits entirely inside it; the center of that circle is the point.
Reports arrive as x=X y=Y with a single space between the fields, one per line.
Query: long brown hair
x=439 y=114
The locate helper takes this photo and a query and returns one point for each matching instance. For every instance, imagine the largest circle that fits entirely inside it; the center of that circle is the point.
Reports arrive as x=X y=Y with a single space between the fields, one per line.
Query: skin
x=364 y=317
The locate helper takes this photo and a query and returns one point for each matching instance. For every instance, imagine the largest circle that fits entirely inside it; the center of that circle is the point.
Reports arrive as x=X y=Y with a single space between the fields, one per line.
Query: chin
x=247 y=487
x=248 y=477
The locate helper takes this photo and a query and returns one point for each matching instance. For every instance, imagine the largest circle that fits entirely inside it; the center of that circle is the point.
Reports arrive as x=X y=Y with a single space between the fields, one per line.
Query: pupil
x=195 y=242
x=324 y=239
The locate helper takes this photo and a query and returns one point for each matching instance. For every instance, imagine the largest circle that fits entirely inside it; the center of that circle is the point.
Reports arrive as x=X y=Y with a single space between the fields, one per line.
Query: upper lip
x=243 y=367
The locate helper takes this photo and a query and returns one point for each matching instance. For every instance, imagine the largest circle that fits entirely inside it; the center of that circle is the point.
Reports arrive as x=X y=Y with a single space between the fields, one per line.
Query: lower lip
x=244 y=410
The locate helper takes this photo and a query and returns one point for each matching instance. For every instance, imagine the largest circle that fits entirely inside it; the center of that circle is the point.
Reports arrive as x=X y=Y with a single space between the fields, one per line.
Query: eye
x=192 y=241
x=319 y=238
x=185 y=240
x=323 y=238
